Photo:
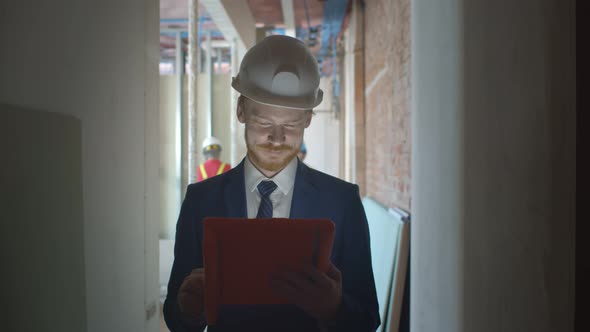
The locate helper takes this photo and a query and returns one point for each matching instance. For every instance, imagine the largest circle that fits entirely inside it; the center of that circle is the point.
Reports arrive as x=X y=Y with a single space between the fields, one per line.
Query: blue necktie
x=265 y=188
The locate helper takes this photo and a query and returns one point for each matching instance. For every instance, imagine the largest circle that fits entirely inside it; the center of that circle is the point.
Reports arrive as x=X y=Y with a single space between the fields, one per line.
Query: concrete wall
x=493 y=166
x=323 y=138
x=171 y=190
x=222 y=113
x=170 y=177
x=98 y=61
x=221 y=99
x=238 y=145
x=520 y=155
x=42 y=279
x=387 y=93
x=436 y=263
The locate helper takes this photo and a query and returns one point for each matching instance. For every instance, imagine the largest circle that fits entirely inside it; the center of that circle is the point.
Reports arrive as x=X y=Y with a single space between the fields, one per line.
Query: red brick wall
x=387 y=101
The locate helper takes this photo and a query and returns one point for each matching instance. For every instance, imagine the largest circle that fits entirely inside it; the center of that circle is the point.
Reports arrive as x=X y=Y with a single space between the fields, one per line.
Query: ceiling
x=268 y=15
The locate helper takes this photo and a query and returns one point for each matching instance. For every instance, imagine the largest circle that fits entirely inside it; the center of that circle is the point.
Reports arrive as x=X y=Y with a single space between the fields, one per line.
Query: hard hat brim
x=294 y=102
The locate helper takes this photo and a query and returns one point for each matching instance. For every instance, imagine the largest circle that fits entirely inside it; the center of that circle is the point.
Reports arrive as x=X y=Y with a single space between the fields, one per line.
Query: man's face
x=273 y=134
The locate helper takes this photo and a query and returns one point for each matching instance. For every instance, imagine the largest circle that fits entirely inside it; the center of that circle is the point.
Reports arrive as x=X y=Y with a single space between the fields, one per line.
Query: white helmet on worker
x=211 y=144
x=280 y=71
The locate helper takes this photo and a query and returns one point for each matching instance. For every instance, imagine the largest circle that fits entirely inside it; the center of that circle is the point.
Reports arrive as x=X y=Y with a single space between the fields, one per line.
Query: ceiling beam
x=234 y=19
x=288 y=17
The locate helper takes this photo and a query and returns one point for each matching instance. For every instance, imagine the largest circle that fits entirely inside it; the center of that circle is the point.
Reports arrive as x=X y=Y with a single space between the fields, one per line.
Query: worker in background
x=278 y=82
x=302 y=152
x=212 y=165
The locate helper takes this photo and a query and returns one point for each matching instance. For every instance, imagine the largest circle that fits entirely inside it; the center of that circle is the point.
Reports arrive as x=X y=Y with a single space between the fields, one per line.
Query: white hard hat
x=280 y=71
x=210 y=141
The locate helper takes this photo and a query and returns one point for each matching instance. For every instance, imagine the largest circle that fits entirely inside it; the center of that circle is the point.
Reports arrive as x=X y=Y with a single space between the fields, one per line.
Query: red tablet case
x=240 y=255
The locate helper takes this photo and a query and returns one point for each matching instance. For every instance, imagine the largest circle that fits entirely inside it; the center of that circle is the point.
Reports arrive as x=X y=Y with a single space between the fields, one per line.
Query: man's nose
x=277 y=134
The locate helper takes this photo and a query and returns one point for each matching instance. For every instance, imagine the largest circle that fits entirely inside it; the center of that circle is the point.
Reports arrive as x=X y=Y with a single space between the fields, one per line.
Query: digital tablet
x=240 y=255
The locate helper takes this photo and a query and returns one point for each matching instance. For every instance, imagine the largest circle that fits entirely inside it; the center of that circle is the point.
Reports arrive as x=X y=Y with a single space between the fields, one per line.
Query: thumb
x=334 y=273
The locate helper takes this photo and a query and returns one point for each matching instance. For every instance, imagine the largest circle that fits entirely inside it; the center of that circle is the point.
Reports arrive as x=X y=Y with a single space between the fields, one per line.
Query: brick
x=387 y=106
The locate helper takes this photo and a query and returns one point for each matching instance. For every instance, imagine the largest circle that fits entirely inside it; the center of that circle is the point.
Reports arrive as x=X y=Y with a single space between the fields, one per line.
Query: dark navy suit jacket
x=316 y=195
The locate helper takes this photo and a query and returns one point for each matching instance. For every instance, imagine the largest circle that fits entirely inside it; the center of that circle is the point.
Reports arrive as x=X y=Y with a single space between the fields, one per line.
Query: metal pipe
x=218 y=54
x=179 y=66
x=192 y=149
x=209 y=88
x=233 y=125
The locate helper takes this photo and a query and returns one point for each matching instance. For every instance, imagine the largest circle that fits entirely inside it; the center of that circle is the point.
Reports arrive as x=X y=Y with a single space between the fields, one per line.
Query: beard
x=272 y=166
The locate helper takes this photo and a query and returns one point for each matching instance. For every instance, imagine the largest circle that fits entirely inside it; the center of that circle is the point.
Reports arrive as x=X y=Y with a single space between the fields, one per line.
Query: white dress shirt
x=282 y=196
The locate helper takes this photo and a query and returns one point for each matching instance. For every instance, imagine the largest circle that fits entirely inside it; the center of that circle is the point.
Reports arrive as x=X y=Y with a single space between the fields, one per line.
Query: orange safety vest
x=204 y=173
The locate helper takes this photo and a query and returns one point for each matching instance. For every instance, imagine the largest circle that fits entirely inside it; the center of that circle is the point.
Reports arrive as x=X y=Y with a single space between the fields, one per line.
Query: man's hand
x=317 y=293
x=191 y=295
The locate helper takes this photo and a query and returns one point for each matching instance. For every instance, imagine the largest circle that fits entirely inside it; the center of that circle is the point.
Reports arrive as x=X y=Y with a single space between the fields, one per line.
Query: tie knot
x=266 y=187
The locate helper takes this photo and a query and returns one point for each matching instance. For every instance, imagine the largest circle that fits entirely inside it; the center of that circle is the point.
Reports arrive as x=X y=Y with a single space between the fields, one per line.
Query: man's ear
x=241 y=112
x=308 y=116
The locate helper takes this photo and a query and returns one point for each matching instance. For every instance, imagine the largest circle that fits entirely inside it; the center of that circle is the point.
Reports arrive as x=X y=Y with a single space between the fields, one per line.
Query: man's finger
x=302 y=282
x=316 y=276
x=287 y=290
x=196 y=274
x=192 y=291
x=191 y=286
x=333 y=273
x=192 y=283
x=284 y=286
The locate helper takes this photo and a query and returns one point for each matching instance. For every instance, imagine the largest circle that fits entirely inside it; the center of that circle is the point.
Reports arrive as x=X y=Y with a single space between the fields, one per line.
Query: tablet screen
x=240 y=256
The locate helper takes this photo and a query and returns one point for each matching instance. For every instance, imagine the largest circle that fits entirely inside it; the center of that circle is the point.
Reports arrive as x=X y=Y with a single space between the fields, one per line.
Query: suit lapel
x=235 y=194
x=305 y=194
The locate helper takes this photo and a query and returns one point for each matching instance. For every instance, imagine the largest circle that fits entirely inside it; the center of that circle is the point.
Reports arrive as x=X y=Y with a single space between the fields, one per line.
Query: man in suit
x=279 y=86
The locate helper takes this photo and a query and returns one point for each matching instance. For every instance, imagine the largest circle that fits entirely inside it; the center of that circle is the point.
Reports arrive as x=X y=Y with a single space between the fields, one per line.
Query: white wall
x=520 y=162
x=170 y=178
x=323 y=137
x=170 y=185
x=238 y=147
x=220 y=101
x=98 y=61
x=42 y=245
x=493 y=167
x=436 y=291
x=222 y=113
x=348 y=88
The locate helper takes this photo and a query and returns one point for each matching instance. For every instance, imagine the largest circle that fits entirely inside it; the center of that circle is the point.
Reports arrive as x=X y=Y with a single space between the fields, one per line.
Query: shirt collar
x=284 y=180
